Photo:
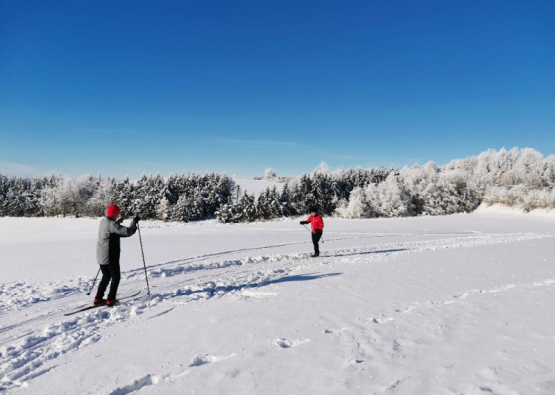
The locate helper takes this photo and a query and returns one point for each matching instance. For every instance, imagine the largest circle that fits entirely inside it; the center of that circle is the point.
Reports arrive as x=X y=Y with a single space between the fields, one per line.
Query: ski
x=100 y=305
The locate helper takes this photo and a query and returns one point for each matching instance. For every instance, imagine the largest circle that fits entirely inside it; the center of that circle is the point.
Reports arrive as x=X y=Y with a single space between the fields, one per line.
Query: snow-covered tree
x=269 y=174
x=228 y=213
x=148 y=192
x=392 y=198
x=248 y=206
x=322 y=168
x=357 y=206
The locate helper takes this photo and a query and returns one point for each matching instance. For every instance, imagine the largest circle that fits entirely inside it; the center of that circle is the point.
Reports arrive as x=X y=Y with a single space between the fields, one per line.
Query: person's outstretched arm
x=123 y=231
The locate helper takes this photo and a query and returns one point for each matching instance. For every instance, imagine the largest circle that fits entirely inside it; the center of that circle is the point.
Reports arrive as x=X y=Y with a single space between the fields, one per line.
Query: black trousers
x=315 y=239
x=109 y=272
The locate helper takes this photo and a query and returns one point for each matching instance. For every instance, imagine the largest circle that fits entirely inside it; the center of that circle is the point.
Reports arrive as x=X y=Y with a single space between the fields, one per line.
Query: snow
x=506 y=210
x=255 y=187
x=459 y=304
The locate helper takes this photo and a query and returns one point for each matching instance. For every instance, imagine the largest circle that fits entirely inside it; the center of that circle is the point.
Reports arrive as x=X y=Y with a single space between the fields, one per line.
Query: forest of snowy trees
x=517 y=178
x=520 y=178
x=178 y=198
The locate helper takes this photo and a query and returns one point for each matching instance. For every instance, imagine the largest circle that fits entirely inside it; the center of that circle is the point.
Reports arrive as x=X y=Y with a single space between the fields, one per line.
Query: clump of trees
x=520 y=178
x=318 y=189
x=517 y=178
x=184 y=197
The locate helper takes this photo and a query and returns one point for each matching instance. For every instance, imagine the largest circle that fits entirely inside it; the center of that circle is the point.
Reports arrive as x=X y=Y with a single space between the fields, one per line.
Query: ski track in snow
x=18 y=295
x=24 y=352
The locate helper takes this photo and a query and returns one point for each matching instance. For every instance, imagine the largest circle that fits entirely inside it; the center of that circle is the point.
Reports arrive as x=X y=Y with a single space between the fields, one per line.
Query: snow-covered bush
x=389 y=198
x=228 y=213
x=356 y=207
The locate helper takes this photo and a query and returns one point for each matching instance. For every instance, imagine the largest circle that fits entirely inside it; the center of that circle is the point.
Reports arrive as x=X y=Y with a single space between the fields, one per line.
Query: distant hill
x=255 y=186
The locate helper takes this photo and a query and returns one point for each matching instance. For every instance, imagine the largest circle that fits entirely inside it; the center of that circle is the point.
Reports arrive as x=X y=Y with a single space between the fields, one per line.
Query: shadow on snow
x=372 y=252
x=222 y=290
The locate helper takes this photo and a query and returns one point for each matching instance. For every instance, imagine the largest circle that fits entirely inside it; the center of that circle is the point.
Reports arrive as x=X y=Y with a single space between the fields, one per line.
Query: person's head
x=313 y=211
x=113 y=211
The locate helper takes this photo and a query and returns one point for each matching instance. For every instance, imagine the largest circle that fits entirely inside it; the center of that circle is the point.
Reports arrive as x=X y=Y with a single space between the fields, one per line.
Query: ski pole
x=94 y=282
x=321 y=239
x=144 y=263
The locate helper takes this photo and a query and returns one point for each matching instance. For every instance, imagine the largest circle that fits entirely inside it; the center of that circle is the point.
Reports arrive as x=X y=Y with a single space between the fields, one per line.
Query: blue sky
x=126 y=87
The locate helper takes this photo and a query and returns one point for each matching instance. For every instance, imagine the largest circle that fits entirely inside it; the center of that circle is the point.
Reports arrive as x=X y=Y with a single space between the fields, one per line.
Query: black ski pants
x=109 y=272
x=315 y=239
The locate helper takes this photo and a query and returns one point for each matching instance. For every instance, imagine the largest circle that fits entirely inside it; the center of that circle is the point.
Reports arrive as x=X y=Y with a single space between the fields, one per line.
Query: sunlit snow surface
x=461 y=304
x=255 y=187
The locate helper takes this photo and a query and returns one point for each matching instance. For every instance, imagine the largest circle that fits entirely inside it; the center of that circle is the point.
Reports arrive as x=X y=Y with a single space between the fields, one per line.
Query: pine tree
x=147 y=195
x=286 y=208
x=273 y=201
x=249 y=211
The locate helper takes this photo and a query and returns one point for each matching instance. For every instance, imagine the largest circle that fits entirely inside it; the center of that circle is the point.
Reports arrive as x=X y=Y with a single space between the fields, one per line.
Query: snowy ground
x=445 y=305
x=255 y=187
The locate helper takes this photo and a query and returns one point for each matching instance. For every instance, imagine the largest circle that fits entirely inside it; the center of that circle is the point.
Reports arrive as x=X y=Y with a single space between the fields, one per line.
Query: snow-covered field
x=255 y=187
x=462 y=304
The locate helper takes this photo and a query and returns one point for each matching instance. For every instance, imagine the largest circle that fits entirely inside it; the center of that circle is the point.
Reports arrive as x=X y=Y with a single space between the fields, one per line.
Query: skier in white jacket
x=108 y=253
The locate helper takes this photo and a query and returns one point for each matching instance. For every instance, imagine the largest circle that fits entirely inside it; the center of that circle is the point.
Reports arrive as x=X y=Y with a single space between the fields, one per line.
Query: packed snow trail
x=20 y=295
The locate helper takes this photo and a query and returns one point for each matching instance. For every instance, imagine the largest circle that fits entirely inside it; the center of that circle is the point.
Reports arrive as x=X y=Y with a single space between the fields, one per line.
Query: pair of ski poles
x=144 y=264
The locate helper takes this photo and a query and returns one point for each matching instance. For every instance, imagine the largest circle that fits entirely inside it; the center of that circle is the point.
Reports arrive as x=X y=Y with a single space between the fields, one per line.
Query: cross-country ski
x=94 y=306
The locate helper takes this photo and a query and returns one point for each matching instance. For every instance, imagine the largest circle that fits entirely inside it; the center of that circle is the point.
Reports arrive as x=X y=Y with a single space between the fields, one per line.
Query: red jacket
x=317 y=223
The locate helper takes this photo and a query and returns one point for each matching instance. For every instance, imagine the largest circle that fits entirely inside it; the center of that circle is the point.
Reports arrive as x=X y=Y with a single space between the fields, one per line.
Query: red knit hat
x=112 y=210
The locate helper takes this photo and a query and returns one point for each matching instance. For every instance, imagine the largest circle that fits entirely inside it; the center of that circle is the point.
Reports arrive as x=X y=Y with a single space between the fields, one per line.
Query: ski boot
x=112 y=303
x=99 y=301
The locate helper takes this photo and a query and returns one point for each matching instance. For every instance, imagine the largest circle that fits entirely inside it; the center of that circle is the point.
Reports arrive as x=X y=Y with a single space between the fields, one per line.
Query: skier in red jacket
x=317 y=229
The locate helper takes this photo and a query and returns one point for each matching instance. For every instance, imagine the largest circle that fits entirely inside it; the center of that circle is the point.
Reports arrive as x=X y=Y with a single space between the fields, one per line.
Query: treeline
x=319 y=189
x=518 y=178
x=184 y=197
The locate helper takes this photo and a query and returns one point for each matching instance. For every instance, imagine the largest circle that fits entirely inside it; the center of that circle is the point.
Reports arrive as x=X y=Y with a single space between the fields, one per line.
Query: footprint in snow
x=405 y=310
x=285 y=343
x=137 y=385
x=335 y=330
x=199 y=360
x=380 y=320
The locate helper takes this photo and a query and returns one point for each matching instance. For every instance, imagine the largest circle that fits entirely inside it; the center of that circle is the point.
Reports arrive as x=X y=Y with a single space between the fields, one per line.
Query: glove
x=318 y=231
x=136 y=219
x=304 y=222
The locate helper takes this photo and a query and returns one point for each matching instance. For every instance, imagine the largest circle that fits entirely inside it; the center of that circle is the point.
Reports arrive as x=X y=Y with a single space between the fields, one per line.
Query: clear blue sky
x=125 y=87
